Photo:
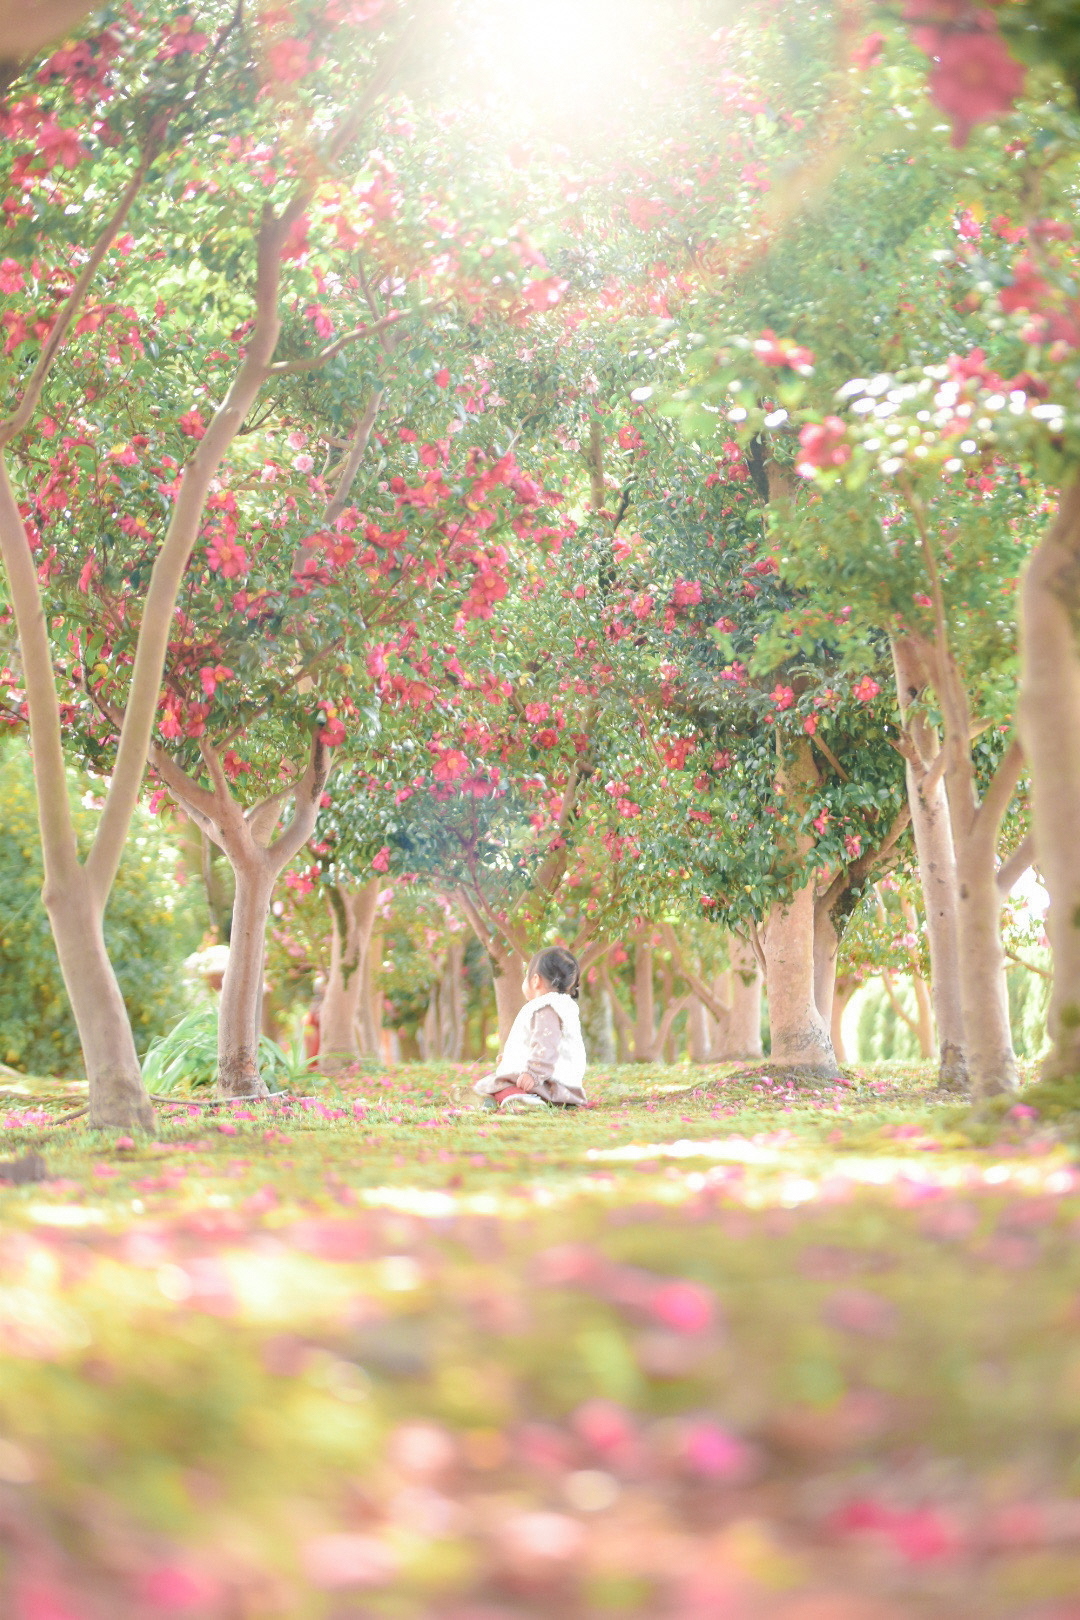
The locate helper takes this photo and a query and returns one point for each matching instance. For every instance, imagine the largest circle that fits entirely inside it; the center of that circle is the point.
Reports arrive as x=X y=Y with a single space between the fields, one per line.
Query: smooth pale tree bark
x=1049 y=713
x=741 y=1041
x=800 y=1036
x=452 y=1005
x=370 y=1032
x=975 y=823
x=697 y=1032
x=826 y=952
x=508 y=968
x=932 y=830
x=844 y=989
x=623 y=1023
x=352 y=919
x=644 y=1003
x=257 y=859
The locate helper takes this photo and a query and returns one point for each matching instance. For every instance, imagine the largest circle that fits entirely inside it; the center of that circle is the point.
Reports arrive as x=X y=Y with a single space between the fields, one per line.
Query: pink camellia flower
x=604 y=1425
x=865 y=689
x=783 y=696
x=333 y=1562
x=534 y=1542
x=868 y=51
x=774 y=351
x=171 y=1589
x=685 y=1306
x=545 y=293
x=423 y=1450
x=11 y=276
x=289 y=60
x=192 y=424
x=823 y=444
x=716 y=1453
x=687 y=593
x=381 y=861
x=333 y=729
x=41 y=1600
x=974 y=78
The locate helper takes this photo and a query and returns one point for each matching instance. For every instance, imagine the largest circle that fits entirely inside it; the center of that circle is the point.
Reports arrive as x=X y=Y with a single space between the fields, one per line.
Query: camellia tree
x=249 y=282
x=117 y=123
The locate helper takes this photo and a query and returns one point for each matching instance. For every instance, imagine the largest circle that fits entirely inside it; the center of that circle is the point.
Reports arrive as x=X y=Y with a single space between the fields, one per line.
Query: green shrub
x=151 y=925
x=186 y=1058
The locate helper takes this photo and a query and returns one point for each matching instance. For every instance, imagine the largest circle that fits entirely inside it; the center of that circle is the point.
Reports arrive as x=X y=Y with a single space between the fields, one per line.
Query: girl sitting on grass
x=543 y=1061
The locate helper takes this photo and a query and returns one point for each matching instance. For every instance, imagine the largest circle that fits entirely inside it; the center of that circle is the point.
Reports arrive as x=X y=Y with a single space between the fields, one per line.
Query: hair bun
x=560 y=968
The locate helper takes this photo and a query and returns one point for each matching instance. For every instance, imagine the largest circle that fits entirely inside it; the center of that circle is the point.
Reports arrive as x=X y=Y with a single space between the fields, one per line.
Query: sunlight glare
x=563 y=58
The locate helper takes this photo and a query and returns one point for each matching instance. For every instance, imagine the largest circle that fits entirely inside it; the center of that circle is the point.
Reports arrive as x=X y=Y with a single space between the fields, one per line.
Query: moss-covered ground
x=718 y=1346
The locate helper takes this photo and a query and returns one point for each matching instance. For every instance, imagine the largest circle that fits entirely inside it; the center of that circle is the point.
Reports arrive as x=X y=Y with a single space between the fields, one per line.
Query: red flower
x=441 y=378
x=289 y=60
x=11 y=277
x=867 y=51
x=333 y=731
x=974 y=78
x=687 y=593
x=544 y=293
x=381 y=861
x=865 y=689
x=783 y=697
x=192 y=424
x=823 y=444
x=774 y=351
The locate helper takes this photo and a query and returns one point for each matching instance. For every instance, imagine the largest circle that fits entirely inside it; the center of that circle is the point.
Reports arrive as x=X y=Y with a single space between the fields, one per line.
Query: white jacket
x=570 y=1061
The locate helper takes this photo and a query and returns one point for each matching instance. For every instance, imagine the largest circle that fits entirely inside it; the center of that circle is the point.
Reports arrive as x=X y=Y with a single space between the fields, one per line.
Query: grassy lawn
x=717 y=1346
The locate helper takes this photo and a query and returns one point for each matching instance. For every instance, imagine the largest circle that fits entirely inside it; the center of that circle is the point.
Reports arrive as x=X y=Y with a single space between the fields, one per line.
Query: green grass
x=700 y=1350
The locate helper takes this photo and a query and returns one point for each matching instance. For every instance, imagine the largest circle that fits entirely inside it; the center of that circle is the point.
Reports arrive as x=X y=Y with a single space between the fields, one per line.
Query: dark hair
x=559 y=968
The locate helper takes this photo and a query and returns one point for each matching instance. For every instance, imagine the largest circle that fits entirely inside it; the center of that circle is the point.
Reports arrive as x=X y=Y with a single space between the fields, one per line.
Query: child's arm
x=544 y=1038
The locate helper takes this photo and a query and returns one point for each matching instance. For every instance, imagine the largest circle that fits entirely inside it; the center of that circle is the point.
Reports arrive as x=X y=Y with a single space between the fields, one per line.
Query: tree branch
x=291 y=368
x=1032 y=967
x=357 y=449
x=291 y=840
x=1015 y=865
x=14 y=424
x=707 y=996
x=1002 y=786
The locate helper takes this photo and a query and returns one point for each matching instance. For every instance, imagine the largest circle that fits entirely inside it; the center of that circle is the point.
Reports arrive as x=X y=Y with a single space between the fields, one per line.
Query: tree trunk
x=826 y=951
x=241 y=989
x=370 y=1020
x=697 y=1032
x=845 y=989
x=352 y=914
x=508 y=971
x=937 y=866
x=984 y=993
x=742 y=1037
x=800 y=1036
x=117 y=1095
x=925 y=1015
x=644 y=1005
x=1050 y=723
x=452 y=1003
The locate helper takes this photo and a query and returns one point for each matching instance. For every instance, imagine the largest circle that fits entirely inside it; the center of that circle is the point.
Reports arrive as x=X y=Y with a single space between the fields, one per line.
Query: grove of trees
x=475 y=496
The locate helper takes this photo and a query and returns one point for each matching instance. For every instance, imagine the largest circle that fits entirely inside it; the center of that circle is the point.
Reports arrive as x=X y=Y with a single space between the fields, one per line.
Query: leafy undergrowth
x=715 y=1347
